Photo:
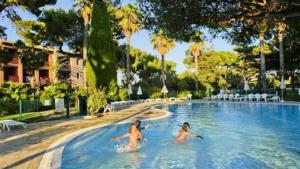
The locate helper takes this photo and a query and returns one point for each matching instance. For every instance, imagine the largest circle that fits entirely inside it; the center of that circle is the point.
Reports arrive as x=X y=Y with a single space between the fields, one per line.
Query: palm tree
x=130 y=20
x=85 y=9
x=162 y=44
x=195 y=51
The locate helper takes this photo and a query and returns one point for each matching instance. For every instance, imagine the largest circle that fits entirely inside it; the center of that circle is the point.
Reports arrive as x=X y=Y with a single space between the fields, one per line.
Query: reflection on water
x=235 y=136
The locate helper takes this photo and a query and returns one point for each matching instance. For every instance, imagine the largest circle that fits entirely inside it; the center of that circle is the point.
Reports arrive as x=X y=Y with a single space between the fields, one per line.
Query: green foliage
x=31 y=58
x=6 y=56
x=8 y=107
x=101 y=64
x=129 y=18
x=123 y=94
x=112 y=91
x=10 y=91
x=2 y=32
x=57 y=90
x=183 y=93
x=215 y=68
x=54 y=28
x=10 y=94
x=96 y=100
x=154 y=92
x=9 y=7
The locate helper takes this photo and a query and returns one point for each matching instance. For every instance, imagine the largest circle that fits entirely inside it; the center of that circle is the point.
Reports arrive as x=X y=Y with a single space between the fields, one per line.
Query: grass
x=34 y=117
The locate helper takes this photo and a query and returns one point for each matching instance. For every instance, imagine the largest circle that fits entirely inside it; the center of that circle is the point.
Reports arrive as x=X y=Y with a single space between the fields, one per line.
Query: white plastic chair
x=231 y=97
x=257 y=97
x=219 y=96
x=225 y=96
x=264 y=97
x=189 y=97
x=250 y=97
x=236 y=97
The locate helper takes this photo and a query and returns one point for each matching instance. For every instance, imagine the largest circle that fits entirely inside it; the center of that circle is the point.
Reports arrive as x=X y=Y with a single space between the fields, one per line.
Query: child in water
x=134 y=135
x=183 y=133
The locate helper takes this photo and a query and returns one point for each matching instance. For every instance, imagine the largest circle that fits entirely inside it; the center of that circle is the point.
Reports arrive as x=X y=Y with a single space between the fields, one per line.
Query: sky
x=140 y=40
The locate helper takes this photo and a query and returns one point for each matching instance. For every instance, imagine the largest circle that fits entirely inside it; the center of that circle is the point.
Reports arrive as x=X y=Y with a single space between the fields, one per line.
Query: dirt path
x=24 y=148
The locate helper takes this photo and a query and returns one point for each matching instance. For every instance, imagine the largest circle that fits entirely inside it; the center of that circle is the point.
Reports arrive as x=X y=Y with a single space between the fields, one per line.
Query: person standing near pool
x=183 y=133
x=134 y=135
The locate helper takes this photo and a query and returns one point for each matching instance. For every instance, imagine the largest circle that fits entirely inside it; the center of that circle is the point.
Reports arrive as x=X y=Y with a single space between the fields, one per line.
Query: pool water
x=241 y=135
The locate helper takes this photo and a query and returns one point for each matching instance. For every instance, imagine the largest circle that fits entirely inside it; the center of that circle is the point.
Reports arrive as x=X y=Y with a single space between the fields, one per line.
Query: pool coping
x=51 y=158
x=248 y=102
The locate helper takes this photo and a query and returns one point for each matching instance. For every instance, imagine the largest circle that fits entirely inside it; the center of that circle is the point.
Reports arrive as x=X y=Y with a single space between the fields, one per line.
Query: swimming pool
x=236 y=135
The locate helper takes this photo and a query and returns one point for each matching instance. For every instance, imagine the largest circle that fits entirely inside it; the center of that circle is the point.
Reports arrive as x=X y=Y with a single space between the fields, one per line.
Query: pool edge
x=51 y=158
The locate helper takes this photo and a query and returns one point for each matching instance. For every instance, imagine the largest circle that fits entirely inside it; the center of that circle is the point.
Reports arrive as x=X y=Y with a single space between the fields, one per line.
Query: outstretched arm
x=120 y=137
x=145 y=127
x=194 y=135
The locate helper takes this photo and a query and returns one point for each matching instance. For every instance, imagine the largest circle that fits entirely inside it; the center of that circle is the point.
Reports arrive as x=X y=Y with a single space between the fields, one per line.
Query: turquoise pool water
x=236 y=136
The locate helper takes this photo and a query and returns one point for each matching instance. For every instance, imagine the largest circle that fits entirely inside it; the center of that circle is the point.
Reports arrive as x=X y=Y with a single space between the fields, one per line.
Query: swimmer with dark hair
x=183 y=133
x=134 y=135
x=137 y=124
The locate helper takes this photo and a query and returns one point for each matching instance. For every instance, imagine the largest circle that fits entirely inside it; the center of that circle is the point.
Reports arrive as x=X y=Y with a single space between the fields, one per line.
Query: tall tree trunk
x=84 y=50
x=262 y=61
x=163 y=69
x=281 y=28
x=128 y=62
x=196 y=73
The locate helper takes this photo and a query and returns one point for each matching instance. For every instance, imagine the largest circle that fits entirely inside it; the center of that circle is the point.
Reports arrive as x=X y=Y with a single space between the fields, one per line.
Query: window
x=77 y=75
x=77 y=61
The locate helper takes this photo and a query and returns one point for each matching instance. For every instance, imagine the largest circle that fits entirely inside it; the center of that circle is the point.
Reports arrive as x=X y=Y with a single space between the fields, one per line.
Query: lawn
x=34 y=117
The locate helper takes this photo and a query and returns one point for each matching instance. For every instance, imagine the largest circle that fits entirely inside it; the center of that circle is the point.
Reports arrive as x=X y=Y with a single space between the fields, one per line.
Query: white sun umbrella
x=282 y=87
x=139 y=92
x=129 y=91
x=246 y=86
x=164 y=90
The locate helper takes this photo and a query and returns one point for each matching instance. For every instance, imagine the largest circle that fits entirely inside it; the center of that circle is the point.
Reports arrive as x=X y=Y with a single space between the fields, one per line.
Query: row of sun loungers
x=122 y=104
x=250 y=97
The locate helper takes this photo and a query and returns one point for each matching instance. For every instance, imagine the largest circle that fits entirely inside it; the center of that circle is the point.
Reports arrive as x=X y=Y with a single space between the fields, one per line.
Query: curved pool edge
x=51 y=158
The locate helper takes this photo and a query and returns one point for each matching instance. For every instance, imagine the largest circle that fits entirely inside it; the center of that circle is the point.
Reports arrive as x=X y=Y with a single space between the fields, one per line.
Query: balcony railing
x=13 y=78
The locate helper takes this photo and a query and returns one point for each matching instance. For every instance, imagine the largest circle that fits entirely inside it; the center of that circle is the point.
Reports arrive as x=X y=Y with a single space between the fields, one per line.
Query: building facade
x=71 y=71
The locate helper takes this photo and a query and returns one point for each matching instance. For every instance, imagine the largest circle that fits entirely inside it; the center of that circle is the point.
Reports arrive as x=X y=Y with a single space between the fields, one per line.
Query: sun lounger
x=8 y=124
x=109 y=108
x=172 y=99
x=275 y=98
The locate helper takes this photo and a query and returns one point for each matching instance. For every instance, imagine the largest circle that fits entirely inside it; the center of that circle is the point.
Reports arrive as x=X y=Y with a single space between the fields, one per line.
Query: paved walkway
x=24 y=148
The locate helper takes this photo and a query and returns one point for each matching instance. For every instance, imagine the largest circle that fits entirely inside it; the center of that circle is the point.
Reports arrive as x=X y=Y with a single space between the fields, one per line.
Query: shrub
x=8 y=108
x=154 y=92
x=172 y=93
x=112 y=91
x=10 y=91
x=54 y=91
x=96 y=100
x=123 y=94
x=183 y=93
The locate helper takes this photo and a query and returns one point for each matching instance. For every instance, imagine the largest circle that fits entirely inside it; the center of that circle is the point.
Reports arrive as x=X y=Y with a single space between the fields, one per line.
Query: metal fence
x=37 y=105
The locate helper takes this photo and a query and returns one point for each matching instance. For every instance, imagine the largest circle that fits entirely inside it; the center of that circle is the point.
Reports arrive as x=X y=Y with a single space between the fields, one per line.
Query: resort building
x=71 y=71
